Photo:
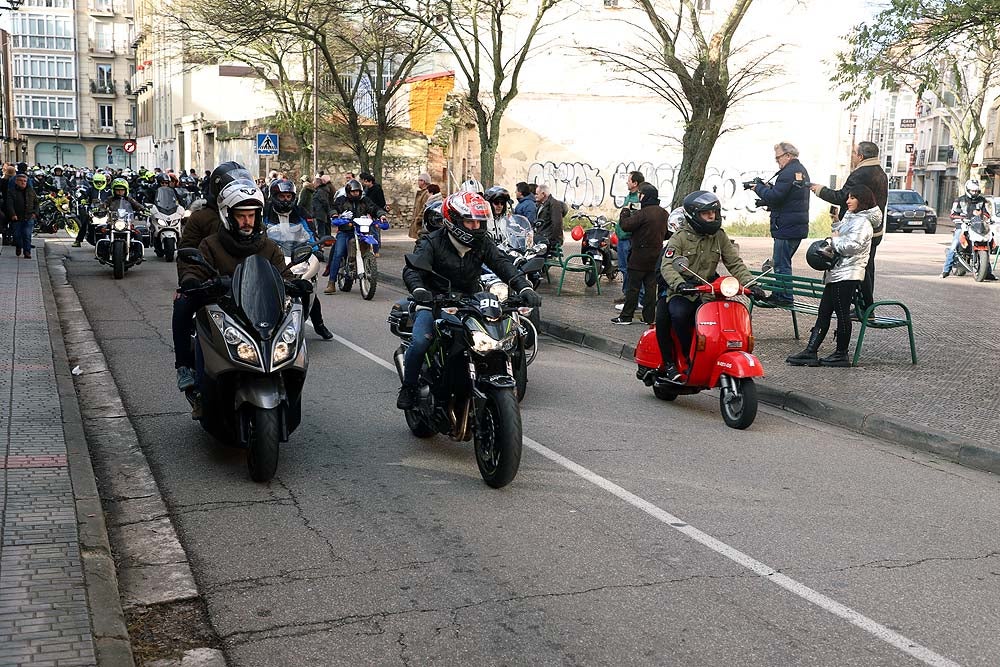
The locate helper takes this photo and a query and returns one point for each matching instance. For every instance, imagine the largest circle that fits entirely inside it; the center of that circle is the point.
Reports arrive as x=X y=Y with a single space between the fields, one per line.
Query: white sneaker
x=619 y=306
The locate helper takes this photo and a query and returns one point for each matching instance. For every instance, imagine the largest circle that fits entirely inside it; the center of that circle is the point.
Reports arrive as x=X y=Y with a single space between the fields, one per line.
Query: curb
x=111 y=640
x=870 y=423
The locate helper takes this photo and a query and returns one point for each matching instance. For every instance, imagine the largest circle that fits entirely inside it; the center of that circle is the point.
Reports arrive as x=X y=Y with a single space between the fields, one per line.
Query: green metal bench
x=802 y=287
x=555 y=259
x=585 y=264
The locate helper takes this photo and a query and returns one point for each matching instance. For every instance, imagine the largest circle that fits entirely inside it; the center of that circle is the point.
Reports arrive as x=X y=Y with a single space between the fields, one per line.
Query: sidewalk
x=947 y=403
x=50 y=526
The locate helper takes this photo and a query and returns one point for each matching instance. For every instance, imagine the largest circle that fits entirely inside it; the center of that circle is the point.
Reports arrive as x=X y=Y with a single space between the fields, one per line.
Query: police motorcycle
x=467 y=389
x=117 y=242
x=974 y=247
x=360 y=265
x=252 y=357
x=165 y=223
x=599 y=242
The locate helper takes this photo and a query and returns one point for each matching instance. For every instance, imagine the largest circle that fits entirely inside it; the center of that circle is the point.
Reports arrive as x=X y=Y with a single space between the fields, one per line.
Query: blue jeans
x=949 y=258
x=339 y=252
x=782 y=254
x=624 y=246
x=22 y=234
x=423 y=336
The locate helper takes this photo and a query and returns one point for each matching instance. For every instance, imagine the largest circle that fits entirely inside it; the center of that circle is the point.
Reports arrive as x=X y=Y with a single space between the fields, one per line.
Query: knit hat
x=325 y=179
x=425 y=177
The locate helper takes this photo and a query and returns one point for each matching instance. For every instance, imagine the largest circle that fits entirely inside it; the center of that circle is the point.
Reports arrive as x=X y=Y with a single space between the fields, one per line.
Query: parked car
x=908 y=210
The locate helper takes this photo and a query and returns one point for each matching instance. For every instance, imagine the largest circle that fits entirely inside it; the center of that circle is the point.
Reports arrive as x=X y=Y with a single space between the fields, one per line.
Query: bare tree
x=490 y=42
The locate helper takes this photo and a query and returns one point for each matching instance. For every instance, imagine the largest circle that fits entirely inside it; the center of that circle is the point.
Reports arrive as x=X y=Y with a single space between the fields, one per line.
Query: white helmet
x=241 y=195
x=675 y=220
x=972 y=187
x=471 y=185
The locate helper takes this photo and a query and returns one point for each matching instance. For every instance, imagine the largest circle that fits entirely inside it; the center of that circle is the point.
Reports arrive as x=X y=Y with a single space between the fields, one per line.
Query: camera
x=760 y=203
x=751 y=184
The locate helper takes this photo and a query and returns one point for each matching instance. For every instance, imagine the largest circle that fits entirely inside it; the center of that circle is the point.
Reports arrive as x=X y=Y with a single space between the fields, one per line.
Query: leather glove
x=757 y=293
x=686 y=286
x=190 y=283
x=303 y=285
x=222 y=283
x=422 y=295
x=530 y=297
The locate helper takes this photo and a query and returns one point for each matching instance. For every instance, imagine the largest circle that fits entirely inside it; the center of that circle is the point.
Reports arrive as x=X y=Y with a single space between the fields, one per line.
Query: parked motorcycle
x=467 y=388
x=165 y=223
x=721 y=353
x=599 y=242
x=360 y=265
x=55 y=212
x=117 y=242
x=252 y=356
x=974 y=248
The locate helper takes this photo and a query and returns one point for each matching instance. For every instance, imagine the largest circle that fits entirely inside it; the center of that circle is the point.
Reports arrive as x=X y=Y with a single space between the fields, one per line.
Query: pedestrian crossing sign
x=267 y=144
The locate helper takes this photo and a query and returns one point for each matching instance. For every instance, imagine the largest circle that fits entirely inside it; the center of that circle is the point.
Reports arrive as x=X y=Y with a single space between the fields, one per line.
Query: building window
x=38 y=112
x=34 y=31
x=704 y=5
x=40 y=72
x=50 y=4
x=106 y=115
x=101 y=36
x=105 y=84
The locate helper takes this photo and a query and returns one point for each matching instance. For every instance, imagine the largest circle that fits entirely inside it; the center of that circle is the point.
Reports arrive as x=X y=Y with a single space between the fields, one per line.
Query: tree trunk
x=305 y=155
x=700 y=135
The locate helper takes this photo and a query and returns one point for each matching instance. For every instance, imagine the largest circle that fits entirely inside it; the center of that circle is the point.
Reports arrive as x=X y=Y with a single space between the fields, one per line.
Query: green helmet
x=100 y=181
x=119 y=183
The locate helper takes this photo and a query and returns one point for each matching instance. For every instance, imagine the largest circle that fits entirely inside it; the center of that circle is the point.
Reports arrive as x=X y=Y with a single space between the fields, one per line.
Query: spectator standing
x=373 y=190
x=548 y=225
x=788 y=200
x=22 y=207
x=322 y=202
x=525 y=202
x=629 y=207
x=867 y=172
x=434 y=195
x=648 y=229
x=306 y=195
x=419 y=203
x=348 y=177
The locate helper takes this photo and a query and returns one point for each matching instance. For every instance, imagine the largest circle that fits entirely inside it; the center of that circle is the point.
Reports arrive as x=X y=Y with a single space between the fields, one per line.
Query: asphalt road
x=637 y=532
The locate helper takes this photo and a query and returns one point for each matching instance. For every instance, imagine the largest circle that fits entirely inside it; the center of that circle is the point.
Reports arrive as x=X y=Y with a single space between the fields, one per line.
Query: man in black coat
x=869 y=172
x=648 y=227
x=373 y=190
x=788 y=200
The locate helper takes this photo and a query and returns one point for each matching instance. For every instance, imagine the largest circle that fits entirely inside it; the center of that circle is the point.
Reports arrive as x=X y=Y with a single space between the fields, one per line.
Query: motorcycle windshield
x=287 y=236
x=979 y=226
x=124 y=213
x=518 y=232
x=259 y=293
x=166 y=201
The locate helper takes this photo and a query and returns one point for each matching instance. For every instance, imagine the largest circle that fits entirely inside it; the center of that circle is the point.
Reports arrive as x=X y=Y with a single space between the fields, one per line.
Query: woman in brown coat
x=649 y=229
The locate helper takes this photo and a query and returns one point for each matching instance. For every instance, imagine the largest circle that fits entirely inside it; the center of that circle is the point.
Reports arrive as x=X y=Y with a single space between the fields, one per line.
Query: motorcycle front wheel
x=982 y=264
x=118 y=259
x=72 y=228
x=590 y=278
x=264 y=434
x=169 y=246
x=498 y=438
x=369 y=281
x=738 y=405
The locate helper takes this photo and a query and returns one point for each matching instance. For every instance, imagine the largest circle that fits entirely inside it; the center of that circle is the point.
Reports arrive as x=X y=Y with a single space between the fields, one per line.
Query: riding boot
x=838 y=359
x=807 y=357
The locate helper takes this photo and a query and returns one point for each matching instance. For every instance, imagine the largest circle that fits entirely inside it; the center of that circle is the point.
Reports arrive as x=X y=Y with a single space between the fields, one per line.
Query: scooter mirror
x=301 y=254
x=680 y=264
x=766 y=266
x=328 y=241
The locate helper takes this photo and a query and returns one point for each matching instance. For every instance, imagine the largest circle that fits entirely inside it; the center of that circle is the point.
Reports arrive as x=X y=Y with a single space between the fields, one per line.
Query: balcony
x=114 y=131
x=129 y=90
x=102 y=88
x=943 y=154
x=139 y=83
x=921 y=158
x=101 y=7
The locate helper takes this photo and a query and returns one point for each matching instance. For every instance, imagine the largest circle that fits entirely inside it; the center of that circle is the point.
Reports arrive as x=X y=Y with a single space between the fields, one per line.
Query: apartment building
x=71 y=67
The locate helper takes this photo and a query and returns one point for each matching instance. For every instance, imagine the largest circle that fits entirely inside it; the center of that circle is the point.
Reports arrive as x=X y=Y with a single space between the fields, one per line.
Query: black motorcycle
x=598 y=243
x=252 y=352
x=467 y=388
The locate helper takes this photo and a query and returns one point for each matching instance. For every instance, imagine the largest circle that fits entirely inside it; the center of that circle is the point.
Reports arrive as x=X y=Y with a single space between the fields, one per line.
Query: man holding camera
x=788 y=200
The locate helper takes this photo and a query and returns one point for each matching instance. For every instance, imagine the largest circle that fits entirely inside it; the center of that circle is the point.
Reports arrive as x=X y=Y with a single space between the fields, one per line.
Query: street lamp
x=129 y=127
x=55 y=130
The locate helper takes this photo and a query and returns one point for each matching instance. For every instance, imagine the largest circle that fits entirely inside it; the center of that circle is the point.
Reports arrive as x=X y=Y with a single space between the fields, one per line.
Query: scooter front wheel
x=738 y=402
x=264 y=434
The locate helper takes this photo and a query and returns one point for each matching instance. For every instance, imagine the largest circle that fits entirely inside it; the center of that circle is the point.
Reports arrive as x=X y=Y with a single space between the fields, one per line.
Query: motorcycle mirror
x=327 y=241
x=766 y=266
x=680 y=264
x=301 y=254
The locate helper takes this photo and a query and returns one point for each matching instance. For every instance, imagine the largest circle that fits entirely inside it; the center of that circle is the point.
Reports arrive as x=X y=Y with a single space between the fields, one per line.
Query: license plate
x=915 y=222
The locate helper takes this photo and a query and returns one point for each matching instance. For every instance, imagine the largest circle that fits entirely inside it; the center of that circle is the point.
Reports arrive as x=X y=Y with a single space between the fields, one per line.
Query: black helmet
x=821 y=255
x=497 y=195
x=352 y=185
x=224 y=174
x=700 y=201
x=432 y=217
x=279 y=187
x=162 y=179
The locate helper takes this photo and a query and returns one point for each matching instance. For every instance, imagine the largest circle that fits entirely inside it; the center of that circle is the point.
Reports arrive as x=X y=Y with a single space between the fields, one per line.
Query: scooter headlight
x=483 y=342
x=284 y=347
x=247 y=353
x=241 y=348
x=282 y=351
x=730 y=287
x=500 y=290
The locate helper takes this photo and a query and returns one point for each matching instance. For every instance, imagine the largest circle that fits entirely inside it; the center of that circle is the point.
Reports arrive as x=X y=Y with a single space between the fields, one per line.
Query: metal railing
x=102 y=87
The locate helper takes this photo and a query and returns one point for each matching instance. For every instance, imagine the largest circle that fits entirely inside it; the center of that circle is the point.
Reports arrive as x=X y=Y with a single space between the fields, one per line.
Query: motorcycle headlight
x=500 y=290
x=730 y=287
x=483 y=342
x=187 y=214
x=120 y=225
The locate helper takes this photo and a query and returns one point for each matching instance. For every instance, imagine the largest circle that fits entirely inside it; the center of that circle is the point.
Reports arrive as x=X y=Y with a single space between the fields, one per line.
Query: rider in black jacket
x=457 y=253
x=356 y=202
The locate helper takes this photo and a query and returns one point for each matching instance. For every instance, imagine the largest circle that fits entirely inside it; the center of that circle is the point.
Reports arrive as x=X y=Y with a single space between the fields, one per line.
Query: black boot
x=838 y=359
x=807 y=357
x=323 y=332
x=407 y=398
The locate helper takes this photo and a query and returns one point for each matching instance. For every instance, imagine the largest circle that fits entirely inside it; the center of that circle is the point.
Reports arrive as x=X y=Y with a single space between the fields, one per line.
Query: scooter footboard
x=737 y=365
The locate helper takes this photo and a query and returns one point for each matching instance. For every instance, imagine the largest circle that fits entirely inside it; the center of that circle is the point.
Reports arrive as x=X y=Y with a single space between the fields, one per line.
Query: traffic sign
x=129 y=146
x=267 y=144
x=110 y=150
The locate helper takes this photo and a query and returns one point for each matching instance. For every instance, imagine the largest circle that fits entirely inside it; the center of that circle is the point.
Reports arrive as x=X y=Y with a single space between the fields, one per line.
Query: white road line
x=908 y=646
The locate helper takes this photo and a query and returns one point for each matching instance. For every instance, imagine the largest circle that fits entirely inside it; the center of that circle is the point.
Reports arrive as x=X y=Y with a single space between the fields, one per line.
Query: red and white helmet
x=463 y=206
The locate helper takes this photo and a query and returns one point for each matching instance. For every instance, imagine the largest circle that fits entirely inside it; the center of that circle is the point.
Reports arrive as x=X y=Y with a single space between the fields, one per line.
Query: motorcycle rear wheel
x=262 y=441
x=369 y=282
x=739 y=407
x=982 y=265
x=345 y=281
x=498 y=438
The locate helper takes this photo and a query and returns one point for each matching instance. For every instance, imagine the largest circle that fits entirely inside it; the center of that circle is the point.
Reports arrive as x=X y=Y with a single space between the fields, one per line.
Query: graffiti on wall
x=570 y=182
x=581 y=183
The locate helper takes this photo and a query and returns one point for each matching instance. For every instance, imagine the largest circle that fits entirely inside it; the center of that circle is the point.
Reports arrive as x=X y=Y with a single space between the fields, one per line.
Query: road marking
x=857 y=619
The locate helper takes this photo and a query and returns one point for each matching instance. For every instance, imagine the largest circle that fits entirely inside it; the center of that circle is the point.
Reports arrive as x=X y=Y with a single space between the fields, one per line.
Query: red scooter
x=721 y=351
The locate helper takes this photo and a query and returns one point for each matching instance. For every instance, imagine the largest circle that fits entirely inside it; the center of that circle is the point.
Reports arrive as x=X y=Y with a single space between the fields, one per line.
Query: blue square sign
x=267 y=144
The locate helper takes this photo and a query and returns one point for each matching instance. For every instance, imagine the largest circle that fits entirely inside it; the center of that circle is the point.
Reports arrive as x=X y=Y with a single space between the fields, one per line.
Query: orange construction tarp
x=427 y=97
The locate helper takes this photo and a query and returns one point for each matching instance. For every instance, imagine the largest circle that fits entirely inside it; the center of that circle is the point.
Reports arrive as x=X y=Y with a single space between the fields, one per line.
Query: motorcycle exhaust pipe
x=398 y=359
